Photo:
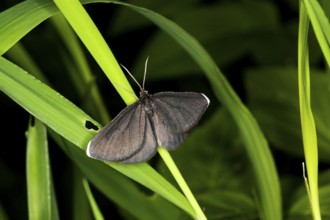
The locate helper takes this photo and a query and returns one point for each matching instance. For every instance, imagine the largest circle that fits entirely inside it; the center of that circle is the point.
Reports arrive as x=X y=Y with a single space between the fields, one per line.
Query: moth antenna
x=131 y=93
x=145 y=72
x=132 y=76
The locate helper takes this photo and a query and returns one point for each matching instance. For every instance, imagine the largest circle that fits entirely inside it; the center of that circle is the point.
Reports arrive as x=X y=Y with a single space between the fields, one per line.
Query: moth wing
x=176 y=113
x=149 y=145
x=124 y=137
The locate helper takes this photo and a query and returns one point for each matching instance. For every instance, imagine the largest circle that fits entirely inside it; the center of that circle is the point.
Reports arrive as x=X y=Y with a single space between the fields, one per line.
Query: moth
x=160 y=119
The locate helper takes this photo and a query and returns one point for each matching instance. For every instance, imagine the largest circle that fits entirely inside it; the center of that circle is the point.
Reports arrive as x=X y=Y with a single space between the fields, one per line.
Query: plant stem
x=181 y=182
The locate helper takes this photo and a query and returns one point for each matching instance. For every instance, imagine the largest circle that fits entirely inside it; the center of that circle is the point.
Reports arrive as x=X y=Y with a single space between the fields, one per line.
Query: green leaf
x=44 y=103
x=79 y=20
x=20 y=56
x=321 y=26
x=306 y=116
x=17 y=21
x=96 y=211
x=81 y=209
x=80 y=73
x=41 y=197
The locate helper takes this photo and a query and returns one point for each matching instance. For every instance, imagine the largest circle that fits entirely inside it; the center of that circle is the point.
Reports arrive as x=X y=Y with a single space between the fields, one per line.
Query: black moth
x=160 y=119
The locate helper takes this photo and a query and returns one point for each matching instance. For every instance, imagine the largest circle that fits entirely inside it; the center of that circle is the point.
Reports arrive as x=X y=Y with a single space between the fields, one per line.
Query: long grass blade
x=41 y=196
x=306 y=115
x=321 y=26
x=96 y=210
x=83 y=79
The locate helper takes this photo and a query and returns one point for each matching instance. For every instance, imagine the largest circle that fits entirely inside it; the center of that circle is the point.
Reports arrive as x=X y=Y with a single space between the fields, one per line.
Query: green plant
x=228 y=181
